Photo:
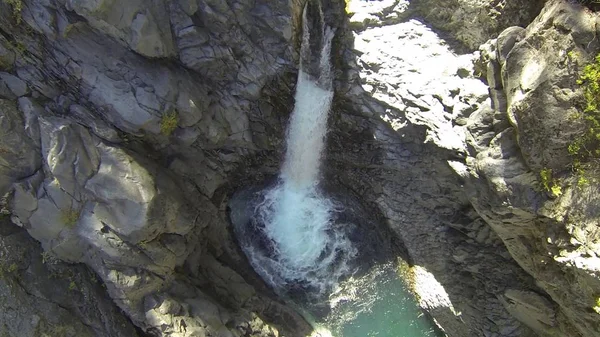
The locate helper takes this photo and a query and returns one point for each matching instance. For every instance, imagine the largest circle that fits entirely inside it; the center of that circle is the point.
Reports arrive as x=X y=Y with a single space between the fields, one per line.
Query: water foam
x=307 y=246
x=302 y=244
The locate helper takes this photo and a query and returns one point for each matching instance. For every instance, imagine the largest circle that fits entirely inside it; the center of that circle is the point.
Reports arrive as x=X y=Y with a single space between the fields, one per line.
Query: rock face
x=418 y=100
x=119 y=124
x=40 y=296
x=469 y=22
x=472 y=22
x=532 y=75
x=127 y=126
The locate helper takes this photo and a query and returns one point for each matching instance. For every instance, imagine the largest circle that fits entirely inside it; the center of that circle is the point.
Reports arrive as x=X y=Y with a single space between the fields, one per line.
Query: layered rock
x=41 y=296
x=113 y=156
x=413 y=116
x=533 y=76
x=473 y=22
x=468 y=22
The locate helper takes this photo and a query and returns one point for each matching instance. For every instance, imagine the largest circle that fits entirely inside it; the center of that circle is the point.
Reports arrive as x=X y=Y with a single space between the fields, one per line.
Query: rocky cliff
x=122 y=127
x=523 y=175
x=126 y=127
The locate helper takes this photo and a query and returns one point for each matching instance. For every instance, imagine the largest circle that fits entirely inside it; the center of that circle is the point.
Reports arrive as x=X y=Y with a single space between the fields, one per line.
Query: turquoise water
x=378 y=304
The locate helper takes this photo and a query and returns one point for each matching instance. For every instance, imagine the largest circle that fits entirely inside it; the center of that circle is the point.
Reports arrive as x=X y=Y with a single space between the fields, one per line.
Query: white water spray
x=298 y=219
x=308 y=124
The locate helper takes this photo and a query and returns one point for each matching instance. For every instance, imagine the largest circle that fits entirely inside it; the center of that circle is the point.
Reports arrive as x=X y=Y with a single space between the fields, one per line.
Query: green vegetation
x=8 y=269
x=17 y=7
x=585 y=148
x=550 y=183
x=169 y=122
x=48 y=258
x=69 y=217
x=589 y=2
x=597 y=306
x=408 y=276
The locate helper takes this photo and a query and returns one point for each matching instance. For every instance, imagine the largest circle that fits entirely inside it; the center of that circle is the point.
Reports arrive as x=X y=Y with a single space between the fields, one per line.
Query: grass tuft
x=169 y=122
x=69 y=217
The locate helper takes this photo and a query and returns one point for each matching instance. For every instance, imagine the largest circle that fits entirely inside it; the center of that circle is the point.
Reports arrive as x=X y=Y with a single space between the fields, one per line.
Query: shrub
x=169 y=122
x=550 y=183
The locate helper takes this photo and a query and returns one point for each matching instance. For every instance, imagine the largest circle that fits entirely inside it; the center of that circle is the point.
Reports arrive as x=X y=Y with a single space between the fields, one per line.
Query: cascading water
x=305 y=243
x=300 y=243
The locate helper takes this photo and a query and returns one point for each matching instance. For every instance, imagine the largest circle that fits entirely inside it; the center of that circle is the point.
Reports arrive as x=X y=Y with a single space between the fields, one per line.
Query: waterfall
x=299 y=242
x=308 y=124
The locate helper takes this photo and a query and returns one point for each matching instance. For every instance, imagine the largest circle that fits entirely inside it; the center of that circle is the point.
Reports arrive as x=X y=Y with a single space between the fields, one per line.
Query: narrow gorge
x=317 y=168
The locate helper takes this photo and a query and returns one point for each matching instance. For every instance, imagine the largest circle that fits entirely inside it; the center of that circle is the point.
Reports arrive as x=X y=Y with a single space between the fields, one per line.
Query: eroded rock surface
x=41 y=296
x=121 y=122
x=419 y=96
x=532 y=75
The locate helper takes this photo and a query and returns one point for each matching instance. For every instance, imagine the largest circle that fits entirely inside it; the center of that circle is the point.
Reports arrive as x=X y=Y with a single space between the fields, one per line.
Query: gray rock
x=97 y=126
x=532 y=309
x=40 y=295
x=143 y=27
x=31 y=110
x=473 y=22
x=538 y=229
x=20 y=158
x=16 y=86
x=506 y=41
x=541 y=91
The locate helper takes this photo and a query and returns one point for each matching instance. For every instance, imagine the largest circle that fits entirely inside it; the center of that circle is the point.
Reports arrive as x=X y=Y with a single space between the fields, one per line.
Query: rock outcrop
x=120 y=122
x=473 y=22
x=468 y=22
x=41 y=296
x=553 y=235
x=414 y=112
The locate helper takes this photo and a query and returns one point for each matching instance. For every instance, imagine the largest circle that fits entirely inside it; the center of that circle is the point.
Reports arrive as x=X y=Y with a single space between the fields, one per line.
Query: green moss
x=169 y=122
x=586 y=146
x=8 y=269
x=12 y=268
x=17 y=7
x=69 y=217
x=18 y=47
x=584 y=149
